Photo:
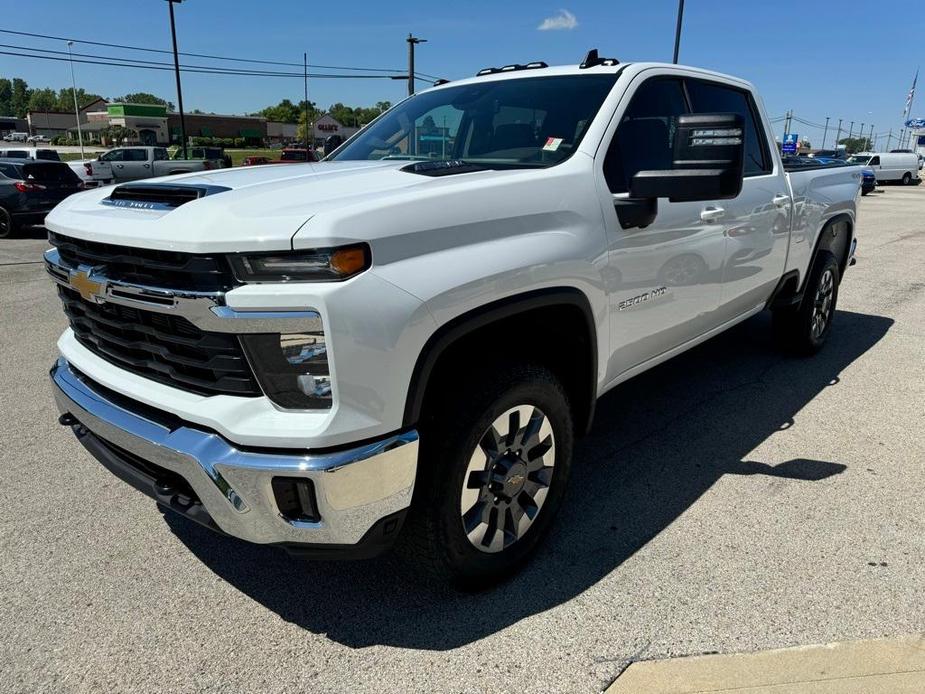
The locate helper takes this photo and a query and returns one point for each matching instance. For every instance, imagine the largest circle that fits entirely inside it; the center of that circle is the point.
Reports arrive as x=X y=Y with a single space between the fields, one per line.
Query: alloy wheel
x=822 y=304
x=507 y=479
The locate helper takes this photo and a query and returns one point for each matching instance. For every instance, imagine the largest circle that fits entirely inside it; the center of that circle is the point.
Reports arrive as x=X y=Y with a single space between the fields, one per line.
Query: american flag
x=910 y=96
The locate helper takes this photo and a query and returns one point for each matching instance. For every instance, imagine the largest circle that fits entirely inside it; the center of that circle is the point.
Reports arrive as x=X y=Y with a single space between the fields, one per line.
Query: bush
x=239 y=142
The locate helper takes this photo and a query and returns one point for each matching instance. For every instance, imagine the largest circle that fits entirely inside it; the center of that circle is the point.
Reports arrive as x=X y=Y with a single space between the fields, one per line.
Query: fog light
x=295 y=498
x=292 y=368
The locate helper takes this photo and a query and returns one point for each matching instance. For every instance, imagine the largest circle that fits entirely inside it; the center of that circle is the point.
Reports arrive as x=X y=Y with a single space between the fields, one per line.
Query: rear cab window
x=49 y=172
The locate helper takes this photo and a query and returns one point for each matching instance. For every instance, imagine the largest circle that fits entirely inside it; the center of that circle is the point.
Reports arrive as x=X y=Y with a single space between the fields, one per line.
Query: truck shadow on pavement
x=660 y=441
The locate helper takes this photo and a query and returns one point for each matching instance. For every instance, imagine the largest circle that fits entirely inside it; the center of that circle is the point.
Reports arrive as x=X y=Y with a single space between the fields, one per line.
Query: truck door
x=136 y=164
x=663 y=280
x=757 y=222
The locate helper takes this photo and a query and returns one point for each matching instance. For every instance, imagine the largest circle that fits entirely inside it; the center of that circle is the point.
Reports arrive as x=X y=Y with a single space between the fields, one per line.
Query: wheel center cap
x=509 y=476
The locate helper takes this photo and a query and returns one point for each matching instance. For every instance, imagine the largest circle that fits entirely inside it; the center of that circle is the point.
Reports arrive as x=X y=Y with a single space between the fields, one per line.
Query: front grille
x=164 y=348
x=147 y=266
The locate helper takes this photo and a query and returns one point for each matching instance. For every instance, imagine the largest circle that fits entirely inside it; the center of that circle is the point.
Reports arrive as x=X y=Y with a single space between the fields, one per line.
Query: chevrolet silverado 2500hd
x=403 y=341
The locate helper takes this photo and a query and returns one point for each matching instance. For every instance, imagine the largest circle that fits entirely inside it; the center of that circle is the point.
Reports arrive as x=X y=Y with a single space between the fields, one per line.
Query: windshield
x=528 y=122
x=858 y=159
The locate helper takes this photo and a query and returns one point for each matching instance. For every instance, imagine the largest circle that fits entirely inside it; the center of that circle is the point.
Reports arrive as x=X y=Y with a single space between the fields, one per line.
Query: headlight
x=292 y=368
x=319 y=265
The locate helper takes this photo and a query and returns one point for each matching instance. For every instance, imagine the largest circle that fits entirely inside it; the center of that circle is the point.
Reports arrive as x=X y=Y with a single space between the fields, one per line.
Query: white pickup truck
x=402 y=342
x=133 y=163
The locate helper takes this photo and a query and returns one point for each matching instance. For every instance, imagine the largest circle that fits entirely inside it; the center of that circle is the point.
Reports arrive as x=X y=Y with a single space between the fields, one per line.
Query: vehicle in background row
x=256 y=161
x=38 y=139
x=296 y=155
x=16 y=137
x=890 y=167
x=30 y=189
x=134 y=163
x=30 y=153
x=216 y=155
x=334 y=357
x=868 y=180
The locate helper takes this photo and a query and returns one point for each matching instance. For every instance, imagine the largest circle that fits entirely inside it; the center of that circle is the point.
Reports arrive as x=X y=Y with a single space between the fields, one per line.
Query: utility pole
x=176 y=67
x=889 y=139
x=308 y=133
x=902 y=139
x=837 y=136
x=825 y=132
x=677 y=31
x=870 y=137
x=850 y=129
x=412 y=42
x=80 y=137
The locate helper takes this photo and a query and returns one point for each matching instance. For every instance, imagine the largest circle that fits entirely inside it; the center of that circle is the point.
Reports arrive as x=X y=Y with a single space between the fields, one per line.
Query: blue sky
x=848 y=59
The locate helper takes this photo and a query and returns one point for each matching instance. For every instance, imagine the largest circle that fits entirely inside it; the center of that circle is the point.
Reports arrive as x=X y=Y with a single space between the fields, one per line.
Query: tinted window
x=50 y=173
x=47 y=155
x=643 y=140
x=114 y=155
x=709 y=97
x=160 y=154
x=518 y=122
x=10 y=170
x=17 y=154
x=874 y=161
x=136 y=155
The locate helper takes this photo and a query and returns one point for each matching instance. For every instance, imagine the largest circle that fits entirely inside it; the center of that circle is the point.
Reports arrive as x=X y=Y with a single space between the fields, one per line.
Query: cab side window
x=136 y=155
x=710 y=97
x=643 y=140
x=113 y=155
x=874 y=161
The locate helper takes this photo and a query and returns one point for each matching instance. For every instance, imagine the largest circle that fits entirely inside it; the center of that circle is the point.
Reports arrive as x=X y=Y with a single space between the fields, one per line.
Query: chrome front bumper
x=354 y=488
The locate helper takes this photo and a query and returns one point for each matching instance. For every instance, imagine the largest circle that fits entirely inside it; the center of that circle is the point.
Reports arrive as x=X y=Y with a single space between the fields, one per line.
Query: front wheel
x=493 y=470
x=804 y=328
x=7 y=226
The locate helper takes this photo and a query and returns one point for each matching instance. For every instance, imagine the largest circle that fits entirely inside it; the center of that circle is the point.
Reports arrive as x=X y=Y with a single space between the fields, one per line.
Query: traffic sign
x=789 y=145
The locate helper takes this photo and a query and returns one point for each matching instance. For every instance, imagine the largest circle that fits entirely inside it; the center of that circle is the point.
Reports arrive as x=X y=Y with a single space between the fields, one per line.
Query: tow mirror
x=707 y=164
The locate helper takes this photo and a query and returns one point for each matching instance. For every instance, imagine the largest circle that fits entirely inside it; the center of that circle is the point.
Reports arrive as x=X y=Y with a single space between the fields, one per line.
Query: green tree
x=345 y=115
x=19 y=99
x=6 y=95
x=65 y=99
x=144 y=98
x=856 y=144
x=383 y=106
x=42 y=100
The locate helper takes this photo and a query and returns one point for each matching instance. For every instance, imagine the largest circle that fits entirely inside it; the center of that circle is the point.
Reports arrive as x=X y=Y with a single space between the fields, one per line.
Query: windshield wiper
x=447 y=167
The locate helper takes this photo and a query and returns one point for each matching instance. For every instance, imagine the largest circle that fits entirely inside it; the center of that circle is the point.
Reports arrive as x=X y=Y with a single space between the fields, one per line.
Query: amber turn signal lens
x=348 y=261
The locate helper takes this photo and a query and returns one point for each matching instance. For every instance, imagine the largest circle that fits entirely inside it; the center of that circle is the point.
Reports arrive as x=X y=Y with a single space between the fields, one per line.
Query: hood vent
x=157 y=196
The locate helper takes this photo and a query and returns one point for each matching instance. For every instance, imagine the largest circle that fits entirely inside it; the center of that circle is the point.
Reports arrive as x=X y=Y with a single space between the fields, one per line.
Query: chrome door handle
x=711 y=214
x=781 y=200
x=147 y=166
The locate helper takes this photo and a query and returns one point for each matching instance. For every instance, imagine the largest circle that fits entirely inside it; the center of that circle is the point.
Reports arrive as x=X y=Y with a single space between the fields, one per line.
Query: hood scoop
x=443 y=168
x=158 y=196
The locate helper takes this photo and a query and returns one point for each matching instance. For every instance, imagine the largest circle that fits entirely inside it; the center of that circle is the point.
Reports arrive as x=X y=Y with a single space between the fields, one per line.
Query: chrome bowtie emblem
x=88 y=288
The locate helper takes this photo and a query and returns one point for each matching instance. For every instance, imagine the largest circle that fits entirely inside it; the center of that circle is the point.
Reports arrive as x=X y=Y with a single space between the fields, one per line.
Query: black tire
x=434 y=535
x=804 y=328
x=7 y=225
x=907 y=178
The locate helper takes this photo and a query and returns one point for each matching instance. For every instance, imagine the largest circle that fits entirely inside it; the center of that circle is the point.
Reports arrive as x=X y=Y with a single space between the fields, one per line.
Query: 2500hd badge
x=653 y=294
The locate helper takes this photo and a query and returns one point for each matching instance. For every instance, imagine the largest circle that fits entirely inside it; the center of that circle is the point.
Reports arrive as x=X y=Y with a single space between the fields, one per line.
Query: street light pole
x=825 y=132
x=677 y=31
x=412 y=42
x=176 y=67
x=80 y=137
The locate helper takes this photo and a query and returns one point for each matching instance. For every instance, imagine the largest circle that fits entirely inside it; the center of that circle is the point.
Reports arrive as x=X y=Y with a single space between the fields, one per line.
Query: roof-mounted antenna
x=593 y=60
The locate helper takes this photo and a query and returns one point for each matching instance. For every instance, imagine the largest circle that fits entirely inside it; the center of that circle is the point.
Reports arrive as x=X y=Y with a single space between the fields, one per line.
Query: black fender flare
x=831 y=239
x=447 y=334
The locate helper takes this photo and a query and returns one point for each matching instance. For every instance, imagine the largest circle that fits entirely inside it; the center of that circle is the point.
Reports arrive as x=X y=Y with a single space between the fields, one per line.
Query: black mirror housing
x=708 y=161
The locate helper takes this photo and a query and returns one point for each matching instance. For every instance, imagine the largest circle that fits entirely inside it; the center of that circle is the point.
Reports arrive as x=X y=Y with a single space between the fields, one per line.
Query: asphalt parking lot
x=732 y=499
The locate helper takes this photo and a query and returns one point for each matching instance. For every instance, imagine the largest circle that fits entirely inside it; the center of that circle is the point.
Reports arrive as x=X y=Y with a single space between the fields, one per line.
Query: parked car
x=30 y=189
x=868 y=180
x=38 y=139
x=890 y=167
x=334 y=358
x=295 y=155
x=30 y=153
x=133 y=163
x=16 y=137
x=256 y=161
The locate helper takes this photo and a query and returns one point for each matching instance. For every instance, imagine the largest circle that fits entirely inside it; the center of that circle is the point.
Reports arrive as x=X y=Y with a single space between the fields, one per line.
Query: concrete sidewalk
x=880 y=666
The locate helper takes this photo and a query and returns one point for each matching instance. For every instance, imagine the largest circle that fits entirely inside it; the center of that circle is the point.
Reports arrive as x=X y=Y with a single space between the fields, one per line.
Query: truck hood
x=262 y=210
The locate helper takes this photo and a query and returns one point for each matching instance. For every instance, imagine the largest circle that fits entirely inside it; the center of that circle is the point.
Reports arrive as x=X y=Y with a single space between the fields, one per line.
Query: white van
x=890 y=166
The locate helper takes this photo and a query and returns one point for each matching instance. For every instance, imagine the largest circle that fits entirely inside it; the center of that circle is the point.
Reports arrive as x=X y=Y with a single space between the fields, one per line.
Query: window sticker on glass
x=552 y=144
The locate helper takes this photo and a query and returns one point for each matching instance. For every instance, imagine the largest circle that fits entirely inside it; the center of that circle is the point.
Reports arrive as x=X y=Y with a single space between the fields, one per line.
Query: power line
x=205 y=70
x=198 y=55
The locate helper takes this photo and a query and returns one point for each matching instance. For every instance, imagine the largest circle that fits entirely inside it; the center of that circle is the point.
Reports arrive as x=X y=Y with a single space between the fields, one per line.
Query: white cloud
x=564 y=20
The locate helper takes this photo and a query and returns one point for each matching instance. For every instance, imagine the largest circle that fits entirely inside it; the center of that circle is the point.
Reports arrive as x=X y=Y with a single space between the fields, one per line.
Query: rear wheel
x=907 y=178
x=493 y=470
x=7 y=226
x=805 y=327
